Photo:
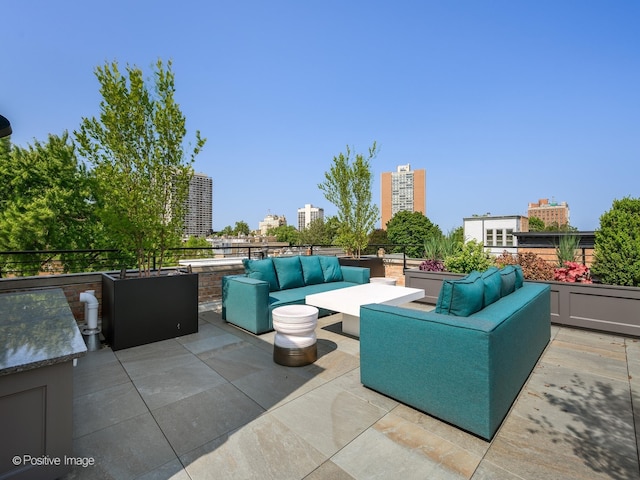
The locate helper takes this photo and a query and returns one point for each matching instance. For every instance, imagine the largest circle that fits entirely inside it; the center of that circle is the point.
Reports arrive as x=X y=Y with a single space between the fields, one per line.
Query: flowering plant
x=432 y=265
x=572 y=272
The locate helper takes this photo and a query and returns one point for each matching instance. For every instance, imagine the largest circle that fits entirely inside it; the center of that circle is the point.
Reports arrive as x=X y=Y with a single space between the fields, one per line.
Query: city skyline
x=501 y=103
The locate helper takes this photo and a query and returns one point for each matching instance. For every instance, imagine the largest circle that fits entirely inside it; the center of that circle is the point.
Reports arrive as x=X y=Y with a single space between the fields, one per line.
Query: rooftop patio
x=215 y=405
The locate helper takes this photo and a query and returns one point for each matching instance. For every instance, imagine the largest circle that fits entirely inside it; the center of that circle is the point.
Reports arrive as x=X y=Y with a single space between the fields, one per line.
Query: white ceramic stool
x=295 y=343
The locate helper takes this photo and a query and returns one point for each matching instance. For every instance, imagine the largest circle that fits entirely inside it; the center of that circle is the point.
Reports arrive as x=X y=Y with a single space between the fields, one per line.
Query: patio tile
x=153 y=358
x=170 y=385
x=262 y=449
x=236 y=360
x=105 y=407
x=172 y=470
x=200 y=418
x=328 y=417
x=351 y=383
x=328 y=470
x=590 y=338
x=123 y=451
x=90 y=376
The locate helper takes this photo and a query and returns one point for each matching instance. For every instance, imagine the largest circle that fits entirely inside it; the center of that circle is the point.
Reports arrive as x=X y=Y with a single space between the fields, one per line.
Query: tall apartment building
x=271 y=221
x=308 y=214
x=402 y=190
x=199 y=220
x=551 y=213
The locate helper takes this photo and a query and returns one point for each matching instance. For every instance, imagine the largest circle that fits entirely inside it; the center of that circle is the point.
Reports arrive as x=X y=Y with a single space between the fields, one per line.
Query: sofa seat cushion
x=262 y=270
x=311 y=269
x=331 y=269
x=297 y=295
x=492 y=285
x=289 y=272
x=461 y=297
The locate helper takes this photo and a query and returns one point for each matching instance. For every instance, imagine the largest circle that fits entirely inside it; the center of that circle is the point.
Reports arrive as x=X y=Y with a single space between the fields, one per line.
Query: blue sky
x=501 y=102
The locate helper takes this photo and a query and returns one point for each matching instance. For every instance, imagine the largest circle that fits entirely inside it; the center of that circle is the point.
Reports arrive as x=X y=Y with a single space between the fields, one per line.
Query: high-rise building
x=271 y=221
x=402 y=190
x=308 y=214
x=551 y=213
x=199 y=218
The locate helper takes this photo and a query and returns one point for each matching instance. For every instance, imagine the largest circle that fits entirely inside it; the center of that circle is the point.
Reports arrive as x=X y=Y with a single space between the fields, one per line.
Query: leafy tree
x=377 y=238
x=536 y=224
x=44 y=199
x=241 y=228
x=617 y=244
x=227 y=231
x=136 y=149
x=285 y=233
x=317 y=233
x=471 y=257
x=411 y=229
x=348 y=186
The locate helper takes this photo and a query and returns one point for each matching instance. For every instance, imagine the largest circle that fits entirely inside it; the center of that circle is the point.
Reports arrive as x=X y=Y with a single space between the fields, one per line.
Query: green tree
x=411 y=229
x=317 y=233
x=471 y=257
x=347 y=185
x=617 y=244
x=285 y=233
x=45 y=197
x=138 y=158
x=536 y=224
x=241 y=228
x=377 y=239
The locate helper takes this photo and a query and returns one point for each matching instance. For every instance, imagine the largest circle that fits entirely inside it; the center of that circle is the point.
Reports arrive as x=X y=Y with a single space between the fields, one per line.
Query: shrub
x=567 y=249
x=431 y=265
x=533 y=267
x=472 y=256
x=572 y=272
x=617 y=244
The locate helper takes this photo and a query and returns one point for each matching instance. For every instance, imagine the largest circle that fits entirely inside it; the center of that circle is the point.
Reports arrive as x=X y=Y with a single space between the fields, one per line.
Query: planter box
x=608 y=308
x=137 y=311
x=374 y=264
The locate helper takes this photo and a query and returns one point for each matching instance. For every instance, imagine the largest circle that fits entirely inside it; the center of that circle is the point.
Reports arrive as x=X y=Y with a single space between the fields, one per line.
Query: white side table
x=295 y=343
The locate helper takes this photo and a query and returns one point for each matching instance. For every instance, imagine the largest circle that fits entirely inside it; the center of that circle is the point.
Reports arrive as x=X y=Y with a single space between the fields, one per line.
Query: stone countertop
x=37 y=329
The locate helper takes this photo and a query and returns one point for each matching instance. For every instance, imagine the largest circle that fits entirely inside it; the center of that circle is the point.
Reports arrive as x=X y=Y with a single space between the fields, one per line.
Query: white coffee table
x=349 y=300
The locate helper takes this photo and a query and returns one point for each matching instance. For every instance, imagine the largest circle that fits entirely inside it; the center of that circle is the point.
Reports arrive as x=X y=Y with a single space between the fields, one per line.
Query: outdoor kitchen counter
x=39 y=339
x=37 y=329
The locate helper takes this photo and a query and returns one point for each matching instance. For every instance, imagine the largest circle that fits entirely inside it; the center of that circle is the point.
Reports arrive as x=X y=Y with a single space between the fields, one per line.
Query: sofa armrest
x=245 y=303
x=355 y=274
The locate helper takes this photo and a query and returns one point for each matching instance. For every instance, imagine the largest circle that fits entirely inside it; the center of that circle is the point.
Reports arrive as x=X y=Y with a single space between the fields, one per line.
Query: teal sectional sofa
x=466 y=361
x=248 y=300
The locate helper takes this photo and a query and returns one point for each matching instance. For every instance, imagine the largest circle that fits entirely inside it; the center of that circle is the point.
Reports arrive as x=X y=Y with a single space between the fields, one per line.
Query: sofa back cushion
x=289 y=272
x=331 y=269
x=508 y=276
x=492 y=285
x=262 y=270
x=519 y=276
x=311 y=270
x=461 y=297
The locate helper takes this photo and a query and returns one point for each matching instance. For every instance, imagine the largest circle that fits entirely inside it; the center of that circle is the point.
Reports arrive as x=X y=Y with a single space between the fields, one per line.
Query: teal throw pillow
x=311 y=269
x=331 y=269
x=461 y=297
x=508 y=276
x=289 y=272
x=262 y=269
x=519 y=276
x=492 y=285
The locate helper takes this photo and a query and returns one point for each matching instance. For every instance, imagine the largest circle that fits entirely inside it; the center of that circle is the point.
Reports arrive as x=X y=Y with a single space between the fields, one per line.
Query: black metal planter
x=137 y=311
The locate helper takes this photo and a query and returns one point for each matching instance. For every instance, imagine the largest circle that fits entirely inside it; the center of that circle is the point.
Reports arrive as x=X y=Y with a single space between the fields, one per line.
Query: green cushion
x=331 y=269
x=265 y=270
x=311 y=270
x=289 y=272
x=492 y=285
x=519 y=276
x=461 y=297
x=508 y=276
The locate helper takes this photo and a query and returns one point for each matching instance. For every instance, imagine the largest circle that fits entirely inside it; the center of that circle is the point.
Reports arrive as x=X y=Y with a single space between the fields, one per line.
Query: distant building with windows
x=402 y=190
x=199 y=216
x=551 y=213
x=496 y=233
x=308 y=214
x=271 y=221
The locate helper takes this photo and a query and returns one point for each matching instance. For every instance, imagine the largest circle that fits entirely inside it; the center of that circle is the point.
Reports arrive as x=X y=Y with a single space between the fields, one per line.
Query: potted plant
x=141 y=182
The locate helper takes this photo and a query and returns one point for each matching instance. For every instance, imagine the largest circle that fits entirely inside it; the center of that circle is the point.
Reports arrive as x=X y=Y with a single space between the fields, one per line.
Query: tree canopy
x=411 y=229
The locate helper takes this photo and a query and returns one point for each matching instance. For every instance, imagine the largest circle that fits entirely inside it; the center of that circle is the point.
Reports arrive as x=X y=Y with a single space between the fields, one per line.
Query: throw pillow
x=519 y=276
x=461 y=297
x=265 y=269
x=311 y=269
x=508 y=276
x=492 y=285
x=331 y=269
x=289 y=272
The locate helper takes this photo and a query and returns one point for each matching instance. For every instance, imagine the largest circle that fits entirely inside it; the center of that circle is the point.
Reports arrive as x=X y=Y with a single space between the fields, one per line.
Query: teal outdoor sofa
x=248 y=300
x=466 y=361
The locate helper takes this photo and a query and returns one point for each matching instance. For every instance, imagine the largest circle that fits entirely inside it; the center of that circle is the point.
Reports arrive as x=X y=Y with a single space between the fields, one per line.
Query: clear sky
x=502 y=102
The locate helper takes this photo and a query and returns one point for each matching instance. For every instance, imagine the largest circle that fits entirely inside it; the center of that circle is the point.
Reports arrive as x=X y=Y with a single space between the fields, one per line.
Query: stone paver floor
x=214 y=405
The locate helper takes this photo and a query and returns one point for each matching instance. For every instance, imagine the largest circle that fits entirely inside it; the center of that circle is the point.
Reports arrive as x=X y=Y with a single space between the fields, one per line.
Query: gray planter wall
x=607 y=308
